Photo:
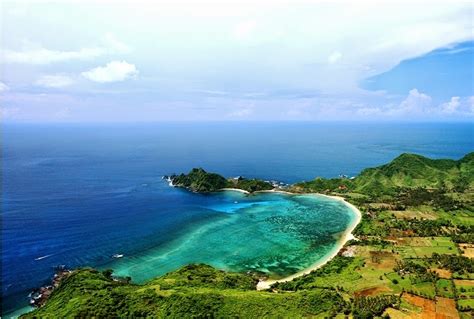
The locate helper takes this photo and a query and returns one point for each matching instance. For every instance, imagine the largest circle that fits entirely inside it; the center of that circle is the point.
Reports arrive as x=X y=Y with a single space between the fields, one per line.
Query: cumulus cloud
x=114 y=71
x=451 y=106
x=458 y=106
x=33 y=53
x=415 y=103
x=418 y=105
x=3 y=87
x=54 y=81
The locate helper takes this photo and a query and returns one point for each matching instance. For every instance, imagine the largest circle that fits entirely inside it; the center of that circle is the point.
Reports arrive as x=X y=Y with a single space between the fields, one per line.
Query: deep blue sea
x=76 y=194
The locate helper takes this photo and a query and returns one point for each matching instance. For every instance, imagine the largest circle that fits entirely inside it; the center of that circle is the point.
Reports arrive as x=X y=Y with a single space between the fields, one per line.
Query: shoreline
x=234 y=190
x=346 y=236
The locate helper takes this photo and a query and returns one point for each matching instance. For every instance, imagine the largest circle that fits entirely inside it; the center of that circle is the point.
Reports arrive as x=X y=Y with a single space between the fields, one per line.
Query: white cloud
x=114 y=71
x=419 y=105
x=334 y=57
x=415 y=103
x=34 y=53
x=3 y=87
x=451 y=106
x=54 y=81
x=244 y=30
x=45 y=56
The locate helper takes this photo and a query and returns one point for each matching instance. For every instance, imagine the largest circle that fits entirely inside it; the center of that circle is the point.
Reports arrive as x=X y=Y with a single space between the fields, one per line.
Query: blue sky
x=89 y=61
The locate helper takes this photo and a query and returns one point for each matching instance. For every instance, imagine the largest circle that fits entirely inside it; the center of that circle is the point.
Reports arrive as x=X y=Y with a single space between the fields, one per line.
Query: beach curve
x=266 y=284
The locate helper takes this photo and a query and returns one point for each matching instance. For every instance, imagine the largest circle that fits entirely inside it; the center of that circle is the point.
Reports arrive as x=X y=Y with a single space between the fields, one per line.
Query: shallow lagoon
x=272 y=233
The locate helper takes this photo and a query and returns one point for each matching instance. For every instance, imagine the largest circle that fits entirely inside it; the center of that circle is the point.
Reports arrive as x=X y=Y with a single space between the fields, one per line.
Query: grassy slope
x=193 y=291
x=405 y=171
x=410 y=170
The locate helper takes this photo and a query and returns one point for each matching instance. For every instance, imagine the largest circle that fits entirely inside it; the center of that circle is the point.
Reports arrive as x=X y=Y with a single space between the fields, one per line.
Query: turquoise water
x=272 y=233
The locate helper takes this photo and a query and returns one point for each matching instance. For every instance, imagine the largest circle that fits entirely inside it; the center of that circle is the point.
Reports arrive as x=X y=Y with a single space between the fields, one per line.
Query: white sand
x=235 y=190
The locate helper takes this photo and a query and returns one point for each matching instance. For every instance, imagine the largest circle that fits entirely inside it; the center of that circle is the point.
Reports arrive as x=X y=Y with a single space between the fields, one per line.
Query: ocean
x=75 y=194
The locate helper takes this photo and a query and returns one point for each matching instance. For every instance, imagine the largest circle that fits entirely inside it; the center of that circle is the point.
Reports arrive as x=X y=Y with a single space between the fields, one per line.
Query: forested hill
x=405 y=171
x=200 y=181
x=411 y=170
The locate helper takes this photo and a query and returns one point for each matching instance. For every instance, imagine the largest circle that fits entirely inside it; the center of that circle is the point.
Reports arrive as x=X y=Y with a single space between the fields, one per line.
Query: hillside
x=405 y=171
x=200 y=181
x=198 y=291
x=411 y=170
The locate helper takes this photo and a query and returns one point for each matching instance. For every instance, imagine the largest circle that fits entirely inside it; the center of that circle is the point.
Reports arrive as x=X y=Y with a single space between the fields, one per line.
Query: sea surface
x=76 y=194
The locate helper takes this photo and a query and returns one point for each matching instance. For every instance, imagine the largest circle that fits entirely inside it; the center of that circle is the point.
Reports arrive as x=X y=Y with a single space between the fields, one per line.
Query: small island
x=200 y=181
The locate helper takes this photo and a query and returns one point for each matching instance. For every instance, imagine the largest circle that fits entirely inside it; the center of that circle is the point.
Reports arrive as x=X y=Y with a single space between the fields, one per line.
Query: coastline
x=347 y=235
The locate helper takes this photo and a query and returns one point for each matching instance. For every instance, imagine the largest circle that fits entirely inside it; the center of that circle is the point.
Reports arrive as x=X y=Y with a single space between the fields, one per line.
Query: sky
x=122 y=61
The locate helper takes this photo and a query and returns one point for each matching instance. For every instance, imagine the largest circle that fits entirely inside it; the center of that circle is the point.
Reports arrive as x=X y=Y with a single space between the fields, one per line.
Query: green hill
x=194 y=291
x=200 y=181
x=411 y=170
x=405 y=171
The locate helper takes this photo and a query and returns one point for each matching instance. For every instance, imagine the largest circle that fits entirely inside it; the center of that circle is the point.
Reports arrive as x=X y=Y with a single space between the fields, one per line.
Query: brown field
x=372 y=291
x=468 y=250
x=381 y=260
x=414 y=241
x=442 y=308
x=408 y=214
x=466 y=282
x=446 y=308
x=398 y=314
x=442 y=273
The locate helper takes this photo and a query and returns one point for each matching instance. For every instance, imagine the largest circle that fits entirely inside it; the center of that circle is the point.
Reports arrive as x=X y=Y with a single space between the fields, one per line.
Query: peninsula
x=413 y=257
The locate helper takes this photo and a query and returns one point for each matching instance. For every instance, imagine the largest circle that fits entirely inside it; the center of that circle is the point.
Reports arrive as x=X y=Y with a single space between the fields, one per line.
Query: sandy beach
x=234 y=189
x=265 y=284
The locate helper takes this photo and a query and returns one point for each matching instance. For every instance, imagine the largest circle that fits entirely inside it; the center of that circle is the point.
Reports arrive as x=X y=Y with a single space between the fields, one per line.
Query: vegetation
x=369 y=307
x=249 y=185
x=195 y=291
x=200 y=181
x=413 y=256
x=405 y=172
